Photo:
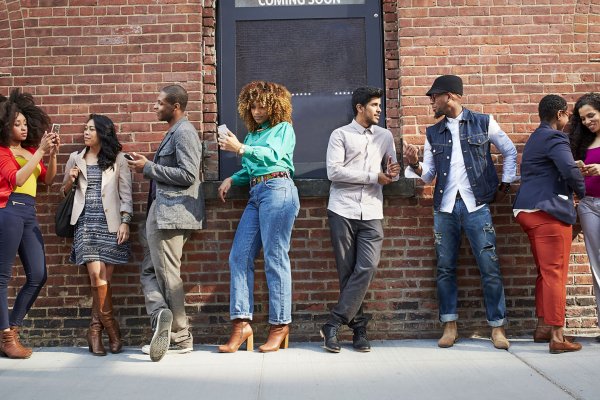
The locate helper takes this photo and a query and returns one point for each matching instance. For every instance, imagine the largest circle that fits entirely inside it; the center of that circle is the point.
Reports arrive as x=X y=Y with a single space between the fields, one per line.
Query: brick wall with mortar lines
x=78 y=57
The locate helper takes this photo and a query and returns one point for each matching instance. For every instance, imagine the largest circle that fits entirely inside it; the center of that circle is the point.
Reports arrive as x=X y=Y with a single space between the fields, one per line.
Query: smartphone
x=55 y=128
x=128 y=157
x=222 y=130
x=580 y=164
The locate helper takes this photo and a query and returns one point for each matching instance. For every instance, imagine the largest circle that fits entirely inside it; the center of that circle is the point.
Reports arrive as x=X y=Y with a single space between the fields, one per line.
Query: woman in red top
x=23 y=144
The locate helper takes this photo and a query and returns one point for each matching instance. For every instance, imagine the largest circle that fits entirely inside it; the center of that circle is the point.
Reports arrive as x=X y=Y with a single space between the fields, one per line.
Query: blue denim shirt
x=475 y=144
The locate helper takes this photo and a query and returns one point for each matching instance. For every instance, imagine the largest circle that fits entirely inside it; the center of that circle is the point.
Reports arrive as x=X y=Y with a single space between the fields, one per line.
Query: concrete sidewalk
x=401 y=369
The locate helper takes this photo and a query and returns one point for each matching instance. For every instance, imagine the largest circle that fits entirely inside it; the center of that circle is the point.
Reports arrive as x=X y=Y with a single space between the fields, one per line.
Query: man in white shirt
x=457 y=154
x=361 y=158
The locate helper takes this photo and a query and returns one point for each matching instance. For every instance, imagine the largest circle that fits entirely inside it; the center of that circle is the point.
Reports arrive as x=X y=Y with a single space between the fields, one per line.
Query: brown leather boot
x=563 y=347
x=278 y=338
x=94 y=335
x=105 y=311
x=11 y=347
x=241 y=331
x=450 y=335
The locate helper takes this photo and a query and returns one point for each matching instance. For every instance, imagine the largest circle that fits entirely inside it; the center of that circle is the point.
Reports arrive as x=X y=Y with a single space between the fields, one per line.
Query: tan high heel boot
x=241 y=332
x=11 y=347
x=105 y=311
x=278 y=338
x=94 y=335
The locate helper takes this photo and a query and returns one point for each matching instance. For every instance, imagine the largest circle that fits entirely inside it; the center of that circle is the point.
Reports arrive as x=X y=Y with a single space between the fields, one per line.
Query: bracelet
x=126 y=219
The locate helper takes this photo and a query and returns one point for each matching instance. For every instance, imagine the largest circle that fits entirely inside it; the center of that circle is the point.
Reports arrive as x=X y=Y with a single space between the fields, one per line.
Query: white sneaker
x=162 y=335
x=173 y=349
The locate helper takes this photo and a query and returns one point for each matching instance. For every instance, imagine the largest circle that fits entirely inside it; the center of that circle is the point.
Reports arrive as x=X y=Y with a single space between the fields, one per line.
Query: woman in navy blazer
x=545 y=210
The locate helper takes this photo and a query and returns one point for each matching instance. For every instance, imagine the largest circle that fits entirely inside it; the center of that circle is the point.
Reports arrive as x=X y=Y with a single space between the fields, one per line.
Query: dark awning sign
x=279 y=3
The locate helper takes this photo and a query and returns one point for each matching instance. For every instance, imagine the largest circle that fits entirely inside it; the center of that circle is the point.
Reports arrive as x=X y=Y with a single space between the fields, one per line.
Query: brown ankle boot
x=450 y=335
x=94 y=335
x=11 y=347
x=241 y=332
x=278 y=338
x=105 y=312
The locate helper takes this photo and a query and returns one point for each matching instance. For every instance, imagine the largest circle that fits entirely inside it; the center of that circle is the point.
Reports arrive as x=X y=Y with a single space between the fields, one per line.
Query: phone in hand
x=579 y=163
x=222 y=130
x=128 y=156
x=56 y=130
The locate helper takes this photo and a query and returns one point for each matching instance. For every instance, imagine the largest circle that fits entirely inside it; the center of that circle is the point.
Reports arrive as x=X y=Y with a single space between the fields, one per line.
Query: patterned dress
x=93 y=241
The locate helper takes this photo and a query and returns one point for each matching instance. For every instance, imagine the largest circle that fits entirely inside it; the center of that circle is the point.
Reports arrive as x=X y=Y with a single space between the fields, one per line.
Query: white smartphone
x=222 y=130
x=55 y=128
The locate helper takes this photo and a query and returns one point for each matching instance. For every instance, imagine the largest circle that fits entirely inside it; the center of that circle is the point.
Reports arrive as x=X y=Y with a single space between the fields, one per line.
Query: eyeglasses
x=566 y=112
x=434 y=96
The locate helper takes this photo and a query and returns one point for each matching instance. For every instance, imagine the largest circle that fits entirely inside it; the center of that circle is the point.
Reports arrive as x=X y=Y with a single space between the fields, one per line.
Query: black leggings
x=20 y=233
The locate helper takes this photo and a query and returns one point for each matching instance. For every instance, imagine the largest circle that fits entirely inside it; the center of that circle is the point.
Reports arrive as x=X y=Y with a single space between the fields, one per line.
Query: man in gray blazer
x=175 y=210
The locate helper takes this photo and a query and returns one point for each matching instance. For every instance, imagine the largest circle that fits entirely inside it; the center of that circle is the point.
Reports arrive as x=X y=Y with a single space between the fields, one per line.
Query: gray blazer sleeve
x=179 y=160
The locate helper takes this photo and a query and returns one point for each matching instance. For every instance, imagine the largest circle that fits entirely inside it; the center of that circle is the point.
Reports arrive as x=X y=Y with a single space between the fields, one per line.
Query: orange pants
x=551 y=246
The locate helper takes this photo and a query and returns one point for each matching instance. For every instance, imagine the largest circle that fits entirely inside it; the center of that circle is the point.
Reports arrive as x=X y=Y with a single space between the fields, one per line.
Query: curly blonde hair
x=273 y=96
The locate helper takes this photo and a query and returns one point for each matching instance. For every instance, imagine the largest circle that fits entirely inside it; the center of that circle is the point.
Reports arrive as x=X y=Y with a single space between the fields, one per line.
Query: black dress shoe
x=330 y=340
x=360 y=341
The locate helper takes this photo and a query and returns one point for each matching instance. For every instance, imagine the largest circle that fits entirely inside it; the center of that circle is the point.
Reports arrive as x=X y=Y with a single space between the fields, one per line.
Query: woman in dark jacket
x=544 y=208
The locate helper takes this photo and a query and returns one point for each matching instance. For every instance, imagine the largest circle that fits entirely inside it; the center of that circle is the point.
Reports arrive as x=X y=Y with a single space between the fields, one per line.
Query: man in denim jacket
x=457 y=154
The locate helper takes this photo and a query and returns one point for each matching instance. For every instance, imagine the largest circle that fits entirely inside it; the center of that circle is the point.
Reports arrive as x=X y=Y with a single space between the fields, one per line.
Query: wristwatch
x=415 y=165
x=504 y=187
x=241 y=150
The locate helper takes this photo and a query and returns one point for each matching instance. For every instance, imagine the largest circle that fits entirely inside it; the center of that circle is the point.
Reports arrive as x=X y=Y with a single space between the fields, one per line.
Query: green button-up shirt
x=268 y=150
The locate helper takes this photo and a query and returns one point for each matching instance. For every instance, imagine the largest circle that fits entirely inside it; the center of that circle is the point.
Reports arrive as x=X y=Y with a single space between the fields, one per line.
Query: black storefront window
x=321 y=50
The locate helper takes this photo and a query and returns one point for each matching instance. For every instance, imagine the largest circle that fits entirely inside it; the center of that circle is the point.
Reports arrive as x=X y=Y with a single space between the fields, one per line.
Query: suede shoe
x=330 y=340
x=360 y=342
x=162 y=335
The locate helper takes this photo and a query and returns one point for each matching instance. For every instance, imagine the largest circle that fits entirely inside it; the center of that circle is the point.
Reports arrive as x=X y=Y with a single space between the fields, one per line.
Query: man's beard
x=438 y=113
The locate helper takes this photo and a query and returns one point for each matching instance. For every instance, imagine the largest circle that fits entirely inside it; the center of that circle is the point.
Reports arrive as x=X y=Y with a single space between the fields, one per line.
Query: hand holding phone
x=223 y=130
x=55 y=130
x=128 y=156
x=579 y=163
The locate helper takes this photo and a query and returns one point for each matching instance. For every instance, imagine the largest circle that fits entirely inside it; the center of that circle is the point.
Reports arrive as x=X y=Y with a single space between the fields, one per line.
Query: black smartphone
x=128 y=156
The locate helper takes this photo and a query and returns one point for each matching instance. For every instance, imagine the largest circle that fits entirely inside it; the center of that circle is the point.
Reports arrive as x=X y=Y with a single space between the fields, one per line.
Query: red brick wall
x=78 y=57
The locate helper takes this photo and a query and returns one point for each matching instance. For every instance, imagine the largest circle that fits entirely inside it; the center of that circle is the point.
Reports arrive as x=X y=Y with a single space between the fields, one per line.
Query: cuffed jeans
x=357 y=247
x=266 y=223
x=20 y=233
x=161 y=274
x=589 y=216
x=481 y=234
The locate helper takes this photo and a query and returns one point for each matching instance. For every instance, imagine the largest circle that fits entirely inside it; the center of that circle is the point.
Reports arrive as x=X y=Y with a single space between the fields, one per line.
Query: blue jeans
x=20 y=233
x=266 y=223
x=481 y=234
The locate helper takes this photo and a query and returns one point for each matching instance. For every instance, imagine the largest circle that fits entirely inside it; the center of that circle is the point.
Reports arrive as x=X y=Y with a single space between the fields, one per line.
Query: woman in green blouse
x=267 y=221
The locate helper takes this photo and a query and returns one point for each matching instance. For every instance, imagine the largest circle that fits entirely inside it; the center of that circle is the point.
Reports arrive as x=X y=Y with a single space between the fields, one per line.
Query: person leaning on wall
x=545 y=210
x=457 y=155
x=24 y=142
x=585 y=145
x=175 y=210
x=102 y=211
x=267 y=222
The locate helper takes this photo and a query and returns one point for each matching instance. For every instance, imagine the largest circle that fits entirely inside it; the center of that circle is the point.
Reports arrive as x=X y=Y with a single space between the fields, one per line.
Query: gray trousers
x=589 y=216
x=357 y=247
x=160 y=275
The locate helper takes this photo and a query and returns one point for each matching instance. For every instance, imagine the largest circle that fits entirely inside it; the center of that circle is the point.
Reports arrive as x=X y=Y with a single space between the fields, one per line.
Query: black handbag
x=62 y=219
